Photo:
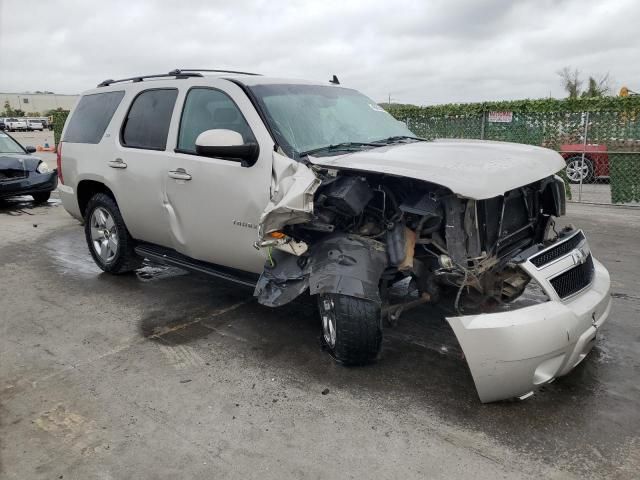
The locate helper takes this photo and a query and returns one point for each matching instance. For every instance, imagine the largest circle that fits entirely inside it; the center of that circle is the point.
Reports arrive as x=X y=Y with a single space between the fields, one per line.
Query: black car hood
x=18 y=161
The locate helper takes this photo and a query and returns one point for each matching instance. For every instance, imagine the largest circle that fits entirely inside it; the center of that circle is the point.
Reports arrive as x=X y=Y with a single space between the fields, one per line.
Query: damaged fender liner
x=341 y=263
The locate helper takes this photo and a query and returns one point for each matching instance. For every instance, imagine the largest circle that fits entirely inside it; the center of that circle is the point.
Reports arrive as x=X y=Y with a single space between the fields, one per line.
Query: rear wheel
x=351 y=328
x=41 y=197
x=577 y=171
x=109 y=241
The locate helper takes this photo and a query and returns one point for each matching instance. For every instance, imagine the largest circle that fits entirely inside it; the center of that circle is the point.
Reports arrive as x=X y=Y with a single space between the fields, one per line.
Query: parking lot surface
x=164 y=374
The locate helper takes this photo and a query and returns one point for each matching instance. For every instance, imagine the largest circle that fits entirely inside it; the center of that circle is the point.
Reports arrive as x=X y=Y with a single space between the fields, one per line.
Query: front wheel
x=109 y=241
x=579 y=171
x=351 y=328
x=41 y=197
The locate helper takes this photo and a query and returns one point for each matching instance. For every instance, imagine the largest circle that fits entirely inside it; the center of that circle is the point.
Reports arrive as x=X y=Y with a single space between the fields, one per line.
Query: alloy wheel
x=577 y=170
x=328 y=317
x=104 y=234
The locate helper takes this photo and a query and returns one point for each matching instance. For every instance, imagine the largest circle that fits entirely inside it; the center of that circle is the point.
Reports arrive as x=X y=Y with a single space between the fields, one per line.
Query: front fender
x=349 y=265
x=345 y=264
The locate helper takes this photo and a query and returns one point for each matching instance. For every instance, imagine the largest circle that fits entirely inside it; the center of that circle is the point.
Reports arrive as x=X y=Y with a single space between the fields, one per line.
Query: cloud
x=422 y=52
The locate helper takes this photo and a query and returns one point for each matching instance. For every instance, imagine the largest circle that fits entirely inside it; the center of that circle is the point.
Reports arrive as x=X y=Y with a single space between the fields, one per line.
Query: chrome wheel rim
x=328 y=322
x=104 y=234
x=577 y=170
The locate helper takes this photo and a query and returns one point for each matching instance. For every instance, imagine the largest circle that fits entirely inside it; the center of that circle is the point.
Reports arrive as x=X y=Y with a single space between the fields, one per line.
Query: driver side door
x=214 y=204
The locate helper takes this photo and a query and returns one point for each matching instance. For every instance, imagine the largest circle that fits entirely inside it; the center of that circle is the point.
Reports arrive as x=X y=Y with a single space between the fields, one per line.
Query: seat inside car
x=203 y=116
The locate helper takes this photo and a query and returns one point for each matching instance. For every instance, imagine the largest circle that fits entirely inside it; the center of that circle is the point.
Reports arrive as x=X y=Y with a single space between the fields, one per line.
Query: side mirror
x=30 y=149
x=227 y=144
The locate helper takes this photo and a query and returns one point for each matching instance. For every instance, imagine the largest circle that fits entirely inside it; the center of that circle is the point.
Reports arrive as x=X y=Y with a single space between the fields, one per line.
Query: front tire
x=41 y=197
x=351 y=328
x=577 y=171
x=109 y=241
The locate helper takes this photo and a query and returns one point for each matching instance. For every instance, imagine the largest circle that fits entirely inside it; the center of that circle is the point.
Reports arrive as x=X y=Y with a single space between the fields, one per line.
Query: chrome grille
x=575 y=279
x=557 y=251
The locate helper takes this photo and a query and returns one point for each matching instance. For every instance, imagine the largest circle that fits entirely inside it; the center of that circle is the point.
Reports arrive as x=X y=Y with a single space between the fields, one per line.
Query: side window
x=208 y=109
x=91 y=117
x=147 y=123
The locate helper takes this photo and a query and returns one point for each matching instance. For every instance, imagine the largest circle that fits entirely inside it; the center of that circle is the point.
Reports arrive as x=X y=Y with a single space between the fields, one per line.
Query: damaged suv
x=292 y=187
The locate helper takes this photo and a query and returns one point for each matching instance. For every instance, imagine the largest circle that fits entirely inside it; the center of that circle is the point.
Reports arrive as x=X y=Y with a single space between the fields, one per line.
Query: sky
x=421 y=52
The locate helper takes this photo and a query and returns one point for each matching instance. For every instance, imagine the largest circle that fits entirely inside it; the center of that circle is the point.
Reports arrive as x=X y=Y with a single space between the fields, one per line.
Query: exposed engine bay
x=360 y=232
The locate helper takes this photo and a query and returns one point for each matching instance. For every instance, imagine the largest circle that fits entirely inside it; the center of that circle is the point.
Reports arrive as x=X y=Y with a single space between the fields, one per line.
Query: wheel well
x=87 y=189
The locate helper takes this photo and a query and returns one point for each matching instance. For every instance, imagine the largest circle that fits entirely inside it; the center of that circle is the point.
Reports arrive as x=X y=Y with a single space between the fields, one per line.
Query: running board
x=168 y=256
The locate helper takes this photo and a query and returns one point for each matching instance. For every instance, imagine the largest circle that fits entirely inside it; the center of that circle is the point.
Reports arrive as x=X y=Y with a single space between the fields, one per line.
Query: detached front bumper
x=512 y=353
x=34 y=183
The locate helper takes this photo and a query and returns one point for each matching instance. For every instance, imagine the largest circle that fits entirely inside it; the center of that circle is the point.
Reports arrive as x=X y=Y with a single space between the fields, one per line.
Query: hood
x=18 y=161
x=476 y=169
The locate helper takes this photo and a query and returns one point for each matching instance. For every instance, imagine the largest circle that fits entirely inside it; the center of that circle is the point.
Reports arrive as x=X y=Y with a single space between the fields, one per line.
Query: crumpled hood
x=476 y=169
x=18 y=161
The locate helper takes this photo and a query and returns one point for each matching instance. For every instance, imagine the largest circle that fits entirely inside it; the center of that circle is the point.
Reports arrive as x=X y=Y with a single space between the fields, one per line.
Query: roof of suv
x=201 y=77
x=255 y=80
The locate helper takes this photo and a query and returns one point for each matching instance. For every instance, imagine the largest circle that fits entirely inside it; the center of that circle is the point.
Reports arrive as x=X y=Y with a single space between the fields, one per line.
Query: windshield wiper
x=338 y=146
x=399 y=138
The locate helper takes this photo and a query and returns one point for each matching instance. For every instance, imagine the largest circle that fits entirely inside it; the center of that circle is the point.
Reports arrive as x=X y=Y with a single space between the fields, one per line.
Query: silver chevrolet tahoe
x=290 y=186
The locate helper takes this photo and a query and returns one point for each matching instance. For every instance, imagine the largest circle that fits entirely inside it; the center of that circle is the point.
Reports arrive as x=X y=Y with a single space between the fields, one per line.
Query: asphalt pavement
x=163 y=374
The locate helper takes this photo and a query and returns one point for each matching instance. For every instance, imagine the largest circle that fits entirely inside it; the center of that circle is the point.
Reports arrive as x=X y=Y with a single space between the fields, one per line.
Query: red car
x=595 y=166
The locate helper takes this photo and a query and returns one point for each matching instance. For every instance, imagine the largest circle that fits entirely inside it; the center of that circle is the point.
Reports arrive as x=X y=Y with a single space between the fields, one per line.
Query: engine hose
x=462 y=285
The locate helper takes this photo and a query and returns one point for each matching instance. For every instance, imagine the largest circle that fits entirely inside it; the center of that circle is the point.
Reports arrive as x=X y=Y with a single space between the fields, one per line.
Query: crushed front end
x=19 y=175
x=514 y=349
x=357 y=233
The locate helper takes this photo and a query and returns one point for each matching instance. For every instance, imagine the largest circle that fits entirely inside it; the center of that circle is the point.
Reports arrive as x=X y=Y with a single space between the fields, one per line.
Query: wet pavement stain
x=151 y=272
x=22 y=205
x=163 y=323
x=182 y=357
x=177 y=327
x=625 y=296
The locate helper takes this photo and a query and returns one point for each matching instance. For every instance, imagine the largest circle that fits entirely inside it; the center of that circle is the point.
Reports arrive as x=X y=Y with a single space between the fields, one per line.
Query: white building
x=37 y=102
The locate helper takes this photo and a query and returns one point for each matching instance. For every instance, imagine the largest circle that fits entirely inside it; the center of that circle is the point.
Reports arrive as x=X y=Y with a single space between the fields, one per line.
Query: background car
x=22 y=173
x=595 y=165
x=14 y=124
x=33 y=125
x=2 y=125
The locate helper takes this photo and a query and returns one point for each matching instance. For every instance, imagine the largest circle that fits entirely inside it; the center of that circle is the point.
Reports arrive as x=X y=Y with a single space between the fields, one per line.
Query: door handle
x=179 y=174
x=117 y=163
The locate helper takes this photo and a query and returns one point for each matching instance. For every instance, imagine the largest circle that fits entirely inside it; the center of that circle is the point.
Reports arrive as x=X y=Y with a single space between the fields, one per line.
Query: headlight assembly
x=43 y=168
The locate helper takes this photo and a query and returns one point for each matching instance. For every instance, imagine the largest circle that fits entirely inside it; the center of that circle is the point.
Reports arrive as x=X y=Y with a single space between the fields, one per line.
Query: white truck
x=293 y=187
x=13 y=124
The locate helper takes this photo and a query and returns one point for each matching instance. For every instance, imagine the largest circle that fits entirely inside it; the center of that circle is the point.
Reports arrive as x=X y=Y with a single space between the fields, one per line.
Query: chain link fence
x=601 y=148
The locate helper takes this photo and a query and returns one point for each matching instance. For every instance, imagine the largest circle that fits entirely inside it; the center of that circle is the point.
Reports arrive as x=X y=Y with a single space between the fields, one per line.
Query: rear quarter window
x=91 y=117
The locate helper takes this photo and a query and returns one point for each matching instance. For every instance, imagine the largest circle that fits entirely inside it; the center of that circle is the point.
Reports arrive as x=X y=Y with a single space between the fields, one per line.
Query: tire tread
x=358 y=330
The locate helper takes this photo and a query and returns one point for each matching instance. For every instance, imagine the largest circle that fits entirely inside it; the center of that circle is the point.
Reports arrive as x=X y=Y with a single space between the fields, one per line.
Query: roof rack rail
x=179 y=71
x=140 y=78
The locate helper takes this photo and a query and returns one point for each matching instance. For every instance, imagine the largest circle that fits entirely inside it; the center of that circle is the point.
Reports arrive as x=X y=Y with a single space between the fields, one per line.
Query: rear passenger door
x=214 y=214
x=139 y=164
